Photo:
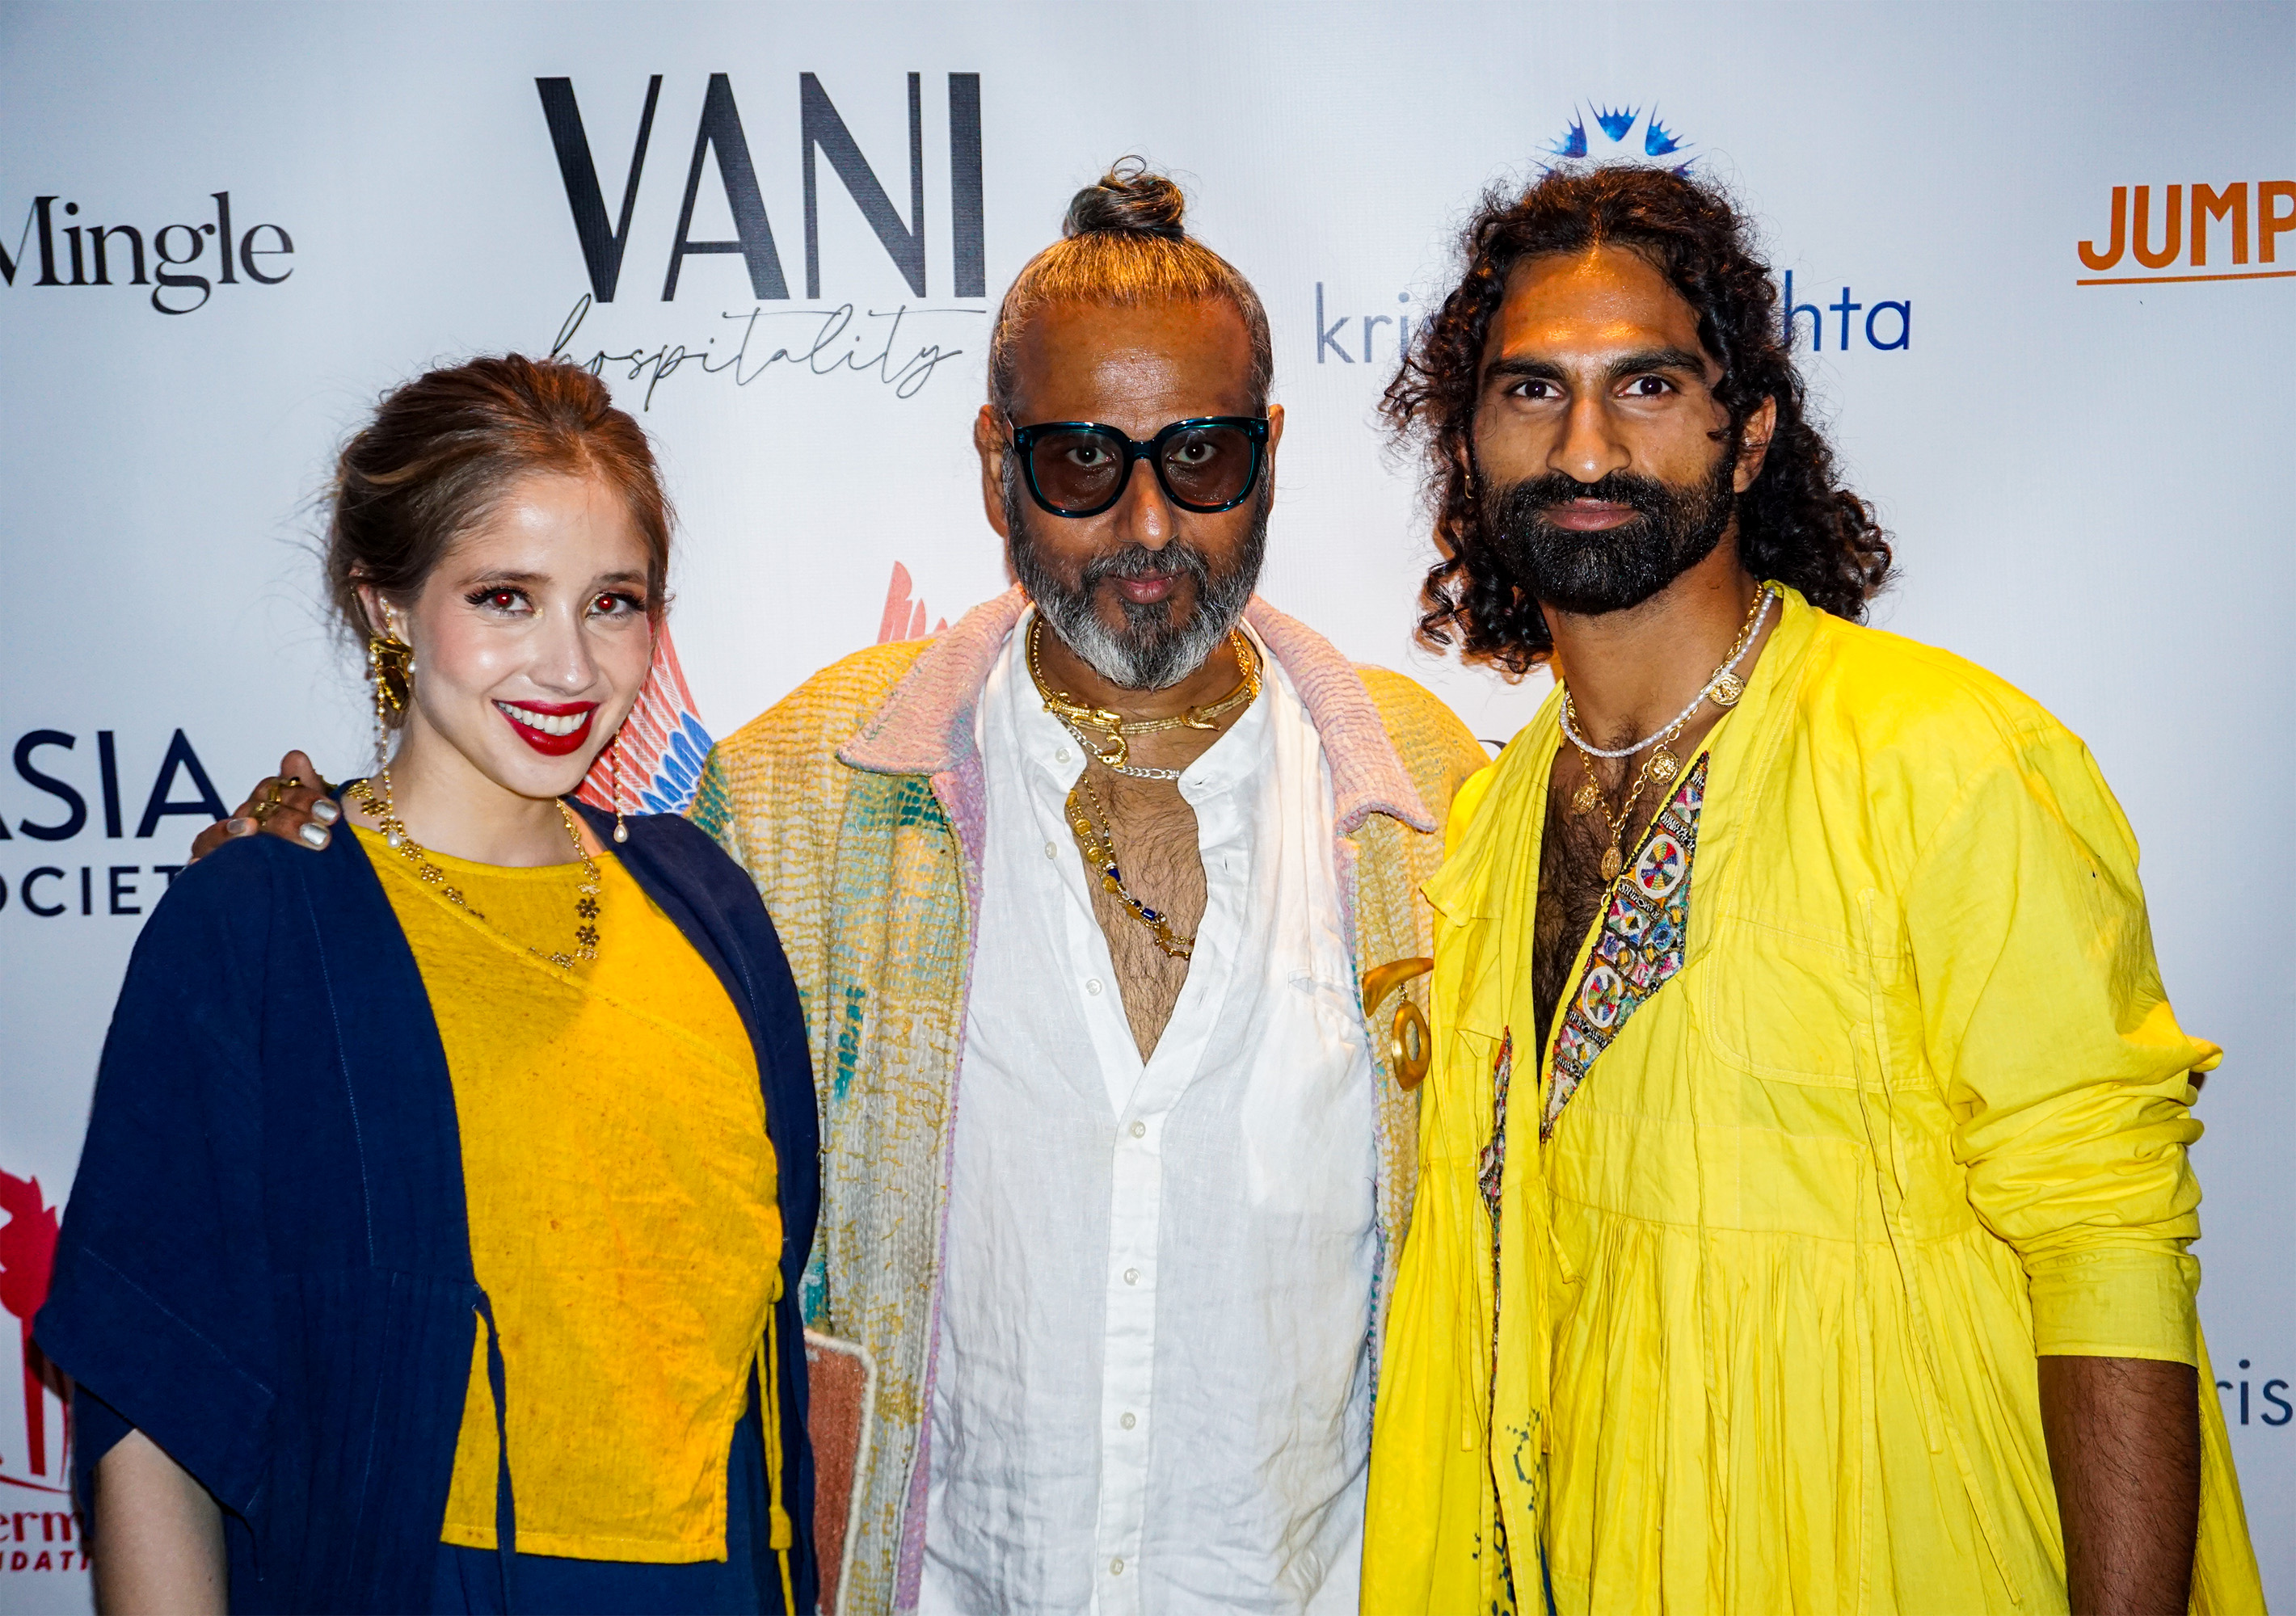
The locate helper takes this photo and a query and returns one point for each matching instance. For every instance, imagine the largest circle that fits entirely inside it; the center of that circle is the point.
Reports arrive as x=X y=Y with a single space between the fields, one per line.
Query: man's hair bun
x=1128 y=201
x=1123 y=246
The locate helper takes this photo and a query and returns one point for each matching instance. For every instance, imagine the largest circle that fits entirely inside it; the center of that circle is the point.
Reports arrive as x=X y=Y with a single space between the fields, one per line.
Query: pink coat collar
x=925 y=727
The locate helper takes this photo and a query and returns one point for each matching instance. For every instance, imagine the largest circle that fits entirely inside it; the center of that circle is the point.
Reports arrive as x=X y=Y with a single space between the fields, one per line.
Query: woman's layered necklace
x=1089 y=820
x=1722 y=687
x=586 y=903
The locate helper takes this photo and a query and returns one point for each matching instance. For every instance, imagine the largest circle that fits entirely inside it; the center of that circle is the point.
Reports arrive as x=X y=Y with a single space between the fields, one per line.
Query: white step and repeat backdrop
x=2042 y=258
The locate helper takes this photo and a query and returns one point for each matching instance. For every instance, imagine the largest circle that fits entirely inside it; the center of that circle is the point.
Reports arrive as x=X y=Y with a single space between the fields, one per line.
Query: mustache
x=1173 y=560
x=1647 y=495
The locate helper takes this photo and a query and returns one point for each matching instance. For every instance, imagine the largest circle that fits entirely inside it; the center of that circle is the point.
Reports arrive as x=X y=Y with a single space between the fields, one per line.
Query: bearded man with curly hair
x=1804 y=1204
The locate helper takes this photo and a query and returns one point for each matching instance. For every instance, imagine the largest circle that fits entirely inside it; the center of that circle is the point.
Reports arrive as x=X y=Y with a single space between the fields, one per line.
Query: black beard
x=1676 y=527
x=1149 y=652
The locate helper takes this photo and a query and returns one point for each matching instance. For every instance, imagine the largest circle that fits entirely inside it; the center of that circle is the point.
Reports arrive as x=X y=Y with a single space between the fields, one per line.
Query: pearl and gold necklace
x=1722 y=687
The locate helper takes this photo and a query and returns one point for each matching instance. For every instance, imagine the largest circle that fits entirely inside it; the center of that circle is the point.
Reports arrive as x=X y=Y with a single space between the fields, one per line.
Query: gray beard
x=1148 y=652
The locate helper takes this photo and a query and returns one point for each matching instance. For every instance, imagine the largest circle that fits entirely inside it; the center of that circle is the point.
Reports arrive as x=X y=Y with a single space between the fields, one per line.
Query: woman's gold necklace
x=1723 y=688
x=1088 y=818
x=1078 y=717
x=585 y=906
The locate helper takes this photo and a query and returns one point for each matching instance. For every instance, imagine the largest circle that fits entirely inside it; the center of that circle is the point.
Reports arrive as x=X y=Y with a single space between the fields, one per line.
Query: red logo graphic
x=27 y=1253
x=903 y=620
x=47 y=1537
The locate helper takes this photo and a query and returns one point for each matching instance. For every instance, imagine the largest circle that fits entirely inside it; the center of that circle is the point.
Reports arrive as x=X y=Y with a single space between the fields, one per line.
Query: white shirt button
x=1130 y=1421
x=1061 y=755
x=1092 y=985
x=1131 y=1276
x=1140 y=1130
x=1116 y=1568
x=1051 y=851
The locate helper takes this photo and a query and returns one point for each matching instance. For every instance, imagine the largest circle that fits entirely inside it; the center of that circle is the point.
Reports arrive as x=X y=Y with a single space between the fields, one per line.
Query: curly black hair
x=1796 y=523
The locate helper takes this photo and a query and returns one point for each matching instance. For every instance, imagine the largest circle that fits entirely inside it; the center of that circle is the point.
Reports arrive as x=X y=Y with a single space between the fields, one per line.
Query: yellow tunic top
x=1912 y=1111
x=623 y=1213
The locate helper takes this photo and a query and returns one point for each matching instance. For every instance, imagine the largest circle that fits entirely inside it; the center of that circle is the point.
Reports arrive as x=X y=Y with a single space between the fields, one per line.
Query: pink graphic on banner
x=662 y=745
x=28 y=1254
x=904 y=620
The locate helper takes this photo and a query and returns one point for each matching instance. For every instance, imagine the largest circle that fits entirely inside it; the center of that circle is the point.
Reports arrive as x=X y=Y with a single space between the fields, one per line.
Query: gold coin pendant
x=1664 y=766
x=1587 y=798
x=1726 y=689
x=1612 y=862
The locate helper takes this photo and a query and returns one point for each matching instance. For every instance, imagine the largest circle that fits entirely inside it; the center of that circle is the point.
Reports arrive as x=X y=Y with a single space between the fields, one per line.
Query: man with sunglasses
x=1117 y=849
x=1080 y=895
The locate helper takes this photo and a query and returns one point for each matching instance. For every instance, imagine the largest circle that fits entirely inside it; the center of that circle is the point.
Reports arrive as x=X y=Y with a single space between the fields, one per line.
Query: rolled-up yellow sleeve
x=2067 y=1073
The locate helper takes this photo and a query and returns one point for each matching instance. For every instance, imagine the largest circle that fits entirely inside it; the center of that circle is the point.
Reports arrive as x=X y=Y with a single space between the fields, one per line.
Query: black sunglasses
x=1080 y=468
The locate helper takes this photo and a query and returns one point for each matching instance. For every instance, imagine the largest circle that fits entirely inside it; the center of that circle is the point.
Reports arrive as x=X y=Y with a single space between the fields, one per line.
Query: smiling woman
x=402 y=1267
x=475 y=495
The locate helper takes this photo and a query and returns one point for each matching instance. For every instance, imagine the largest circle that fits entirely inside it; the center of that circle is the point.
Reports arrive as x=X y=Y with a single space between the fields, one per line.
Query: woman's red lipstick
x=542 y=740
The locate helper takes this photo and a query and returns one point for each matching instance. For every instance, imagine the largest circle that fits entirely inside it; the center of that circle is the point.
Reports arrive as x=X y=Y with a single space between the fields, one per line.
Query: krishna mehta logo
x=1597 y=136
x=1602 y=137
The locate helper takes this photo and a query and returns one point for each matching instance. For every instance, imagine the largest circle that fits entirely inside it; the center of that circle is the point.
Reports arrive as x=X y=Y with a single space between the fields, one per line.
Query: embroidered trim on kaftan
x=1639 y=947
x=1638 y=951
x=1490 y=1167
x=1491 y=1173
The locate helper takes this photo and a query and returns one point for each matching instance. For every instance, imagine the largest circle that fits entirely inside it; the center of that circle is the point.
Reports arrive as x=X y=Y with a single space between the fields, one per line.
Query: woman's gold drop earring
x=621 y=830
x=391 y=662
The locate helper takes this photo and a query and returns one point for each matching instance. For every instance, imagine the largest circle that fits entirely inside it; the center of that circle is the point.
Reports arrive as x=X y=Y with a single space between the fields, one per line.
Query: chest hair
x=1570 y=888
x=1155 y=837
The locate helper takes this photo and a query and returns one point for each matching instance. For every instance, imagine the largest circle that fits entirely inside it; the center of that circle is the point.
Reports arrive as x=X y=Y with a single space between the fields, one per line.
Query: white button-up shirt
x=1152 y=1393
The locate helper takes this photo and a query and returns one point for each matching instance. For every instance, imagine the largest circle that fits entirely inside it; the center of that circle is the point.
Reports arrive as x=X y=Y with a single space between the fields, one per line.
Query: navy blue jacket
x=265 y=1263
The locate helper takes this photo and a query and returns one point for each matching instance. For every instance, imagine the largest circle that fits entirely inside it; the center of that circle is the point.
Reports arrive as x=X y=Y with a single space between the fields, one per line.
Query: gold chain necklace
x=1100 y=855
x=1094 y=826
x=1116 y=755
x=1723 y=688
x=585 y=906
x=1590 y=798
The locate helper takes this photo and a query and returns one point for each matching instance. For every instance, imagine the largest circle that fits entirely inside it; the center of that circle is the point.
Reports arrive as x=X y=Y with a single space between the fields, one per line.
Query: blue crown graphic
x=1617 y=124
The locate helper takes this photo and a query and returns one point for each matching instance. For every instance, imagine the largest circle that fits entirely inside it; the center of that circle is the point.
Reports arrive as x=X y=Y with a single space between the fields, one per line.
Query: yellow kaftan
x=623 y=1209
x=1912 y=1111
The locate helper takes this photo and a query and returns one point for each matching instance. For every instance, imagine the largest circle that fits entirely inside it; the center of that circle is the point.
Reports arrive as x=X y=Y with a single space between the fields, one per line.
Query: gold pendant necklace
x=585 y=906
x=1590 y=798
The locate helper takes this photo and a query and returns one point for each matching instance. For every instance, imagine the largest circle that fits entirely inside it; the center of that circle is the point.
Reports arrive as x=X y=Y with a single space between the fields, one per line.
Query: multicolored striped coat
x=857 y=805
